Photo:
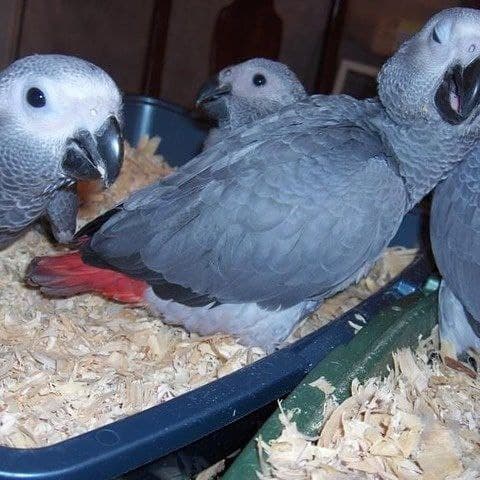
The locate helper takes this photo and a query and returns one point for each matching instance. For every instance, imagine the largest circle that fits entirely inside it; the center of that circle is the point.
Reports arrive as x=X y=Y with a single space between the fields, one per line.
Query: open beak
x=97 y=156
x=212 y=90
x=459 y=93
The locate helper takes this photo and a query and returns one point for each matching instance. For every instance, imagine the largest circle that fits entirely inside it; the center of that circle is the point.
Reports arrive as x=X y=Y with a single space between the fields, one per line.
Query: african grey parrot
x=252 y=234
x=58 y=124
x=455 y=234
x=245 y=92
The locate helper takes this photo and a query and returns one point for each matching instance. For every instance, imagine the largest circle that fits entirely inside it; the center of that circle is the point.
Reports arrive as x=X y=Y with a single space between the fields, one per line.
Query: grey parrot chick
x=59 y=123
x=252 y=234
x=245 y=92
x=455 y=216
x=455 y=235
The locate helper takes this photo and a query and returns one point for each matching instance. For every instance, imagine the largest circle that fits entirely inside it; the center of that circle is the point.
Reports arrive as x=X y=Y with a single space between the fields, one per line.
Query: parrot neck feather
x=424 y=153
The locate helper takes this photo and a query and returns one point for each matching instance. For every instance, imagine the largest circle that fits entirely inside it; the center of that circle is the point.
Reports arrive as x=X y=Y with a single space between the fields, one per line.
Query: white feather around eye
x=441 y=31
x=69 y=103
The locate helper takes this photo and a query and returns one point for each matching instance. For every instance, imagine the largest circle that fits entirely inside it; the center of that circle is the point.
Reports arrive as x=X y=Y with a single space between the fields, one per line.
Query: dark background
x=168 y=48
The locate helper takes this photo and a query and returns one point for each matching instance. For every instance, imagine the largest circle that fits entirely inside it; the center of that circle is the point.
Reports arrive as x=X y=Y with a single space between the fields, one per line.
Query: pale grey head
x=430 y=91
x=60 y=116
x=59 y=123
x=247 y=91
x=435 y=75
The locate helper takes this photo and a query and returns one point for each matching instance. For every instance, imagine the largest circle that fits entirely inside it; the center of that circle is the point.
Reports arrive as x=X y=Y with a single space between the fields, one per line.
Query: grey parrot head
x=435 y=75
x=63 y=114
x=249 y=90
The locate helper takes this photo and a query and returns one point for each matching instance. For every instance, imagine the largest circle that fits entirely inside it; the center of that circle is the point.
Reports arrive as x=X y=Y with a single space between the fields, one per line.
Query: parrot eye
x=435 y=36
x=36 y=98
x=259 y=80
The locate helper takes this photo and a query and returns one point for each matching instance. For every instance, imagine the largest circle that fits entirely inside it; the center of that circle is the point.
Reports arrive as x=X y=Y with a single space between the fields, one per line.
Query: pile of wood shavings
x=71 y=365
x=420 y=422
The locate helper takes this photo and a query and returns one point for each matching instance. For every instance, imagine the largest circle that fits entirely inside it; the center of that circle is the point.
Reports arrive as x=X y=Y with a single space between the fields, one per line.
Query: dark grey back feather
x=288 y=209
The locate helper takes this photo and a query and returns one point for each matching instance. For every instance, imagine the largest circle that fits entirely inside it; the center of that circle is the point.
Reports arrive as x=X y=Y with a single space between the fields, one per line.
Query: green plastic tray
x=367 y=355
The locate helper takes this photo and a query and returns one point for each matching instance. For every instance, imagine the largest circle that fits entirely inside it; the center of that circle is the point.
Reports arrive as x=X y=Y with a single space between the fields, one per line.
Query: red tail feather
x=66 y=275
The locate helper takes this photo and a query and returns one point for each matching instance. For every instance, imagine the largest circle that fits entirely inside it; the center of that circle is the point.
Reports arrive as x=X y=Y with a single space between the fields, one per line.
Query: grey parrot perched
x=252 y=234
x=245 y=92
x=59 y=123
x=455 y=234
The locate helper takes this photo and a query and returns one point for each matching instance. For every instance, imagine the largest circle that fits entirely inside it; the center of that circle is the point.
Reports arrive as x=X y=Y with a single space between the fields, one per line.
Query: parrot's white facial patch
x=248 y=91
x=454 y=39
x=54 y=108
x=68 y=107
x=251 y=81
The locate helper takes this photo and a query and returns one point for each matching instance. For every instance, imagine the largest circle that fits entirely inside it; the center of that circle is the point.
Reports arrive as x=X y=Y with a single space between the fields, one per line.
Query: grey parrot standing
x=59 y=123
x=252 y=234
x=455 y=234
x=245 y=92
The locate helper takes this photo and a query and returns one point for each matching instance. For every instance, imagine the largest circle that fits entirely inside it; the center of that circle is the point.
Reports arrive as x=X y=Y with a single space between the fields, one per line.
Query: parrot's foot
x=474 y=359
x=458 y=339
x=41 y=228
x=63 y=236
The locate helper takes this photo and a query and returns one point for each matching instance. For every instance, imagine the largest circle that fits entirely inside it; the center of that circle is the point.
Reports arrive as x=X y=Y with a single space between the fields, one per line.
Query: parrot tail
x=67 y=274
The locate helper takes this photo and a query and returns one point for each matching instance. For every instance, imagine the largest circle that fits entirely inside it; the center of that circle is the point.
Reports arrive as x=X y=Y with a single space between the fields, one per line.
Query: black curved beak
x=459 y=93
x=212 y=90
x=98 y=156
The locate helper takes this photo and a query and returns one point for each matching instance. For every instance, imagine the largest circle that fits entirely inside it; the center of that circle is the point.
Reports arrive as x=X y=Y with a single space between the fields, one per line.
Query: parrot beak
x=459 y=93
x=98 y=156
x=211 y=91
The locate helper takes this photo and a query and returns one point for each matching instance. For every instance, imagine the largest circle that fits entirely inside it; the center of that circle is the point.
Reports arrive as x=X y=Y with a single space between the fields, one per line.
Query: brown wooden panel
x=245 y=29
x=187 y=53
x=156 y=50
x=331 y=45
x=11 y=15
x=114 y=34
x=304 y=26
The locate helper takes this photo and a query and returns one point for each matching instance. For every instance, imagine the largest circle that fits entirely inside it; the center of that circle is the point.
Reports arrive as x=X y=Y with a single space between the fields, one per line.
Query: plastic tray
x=127 y=444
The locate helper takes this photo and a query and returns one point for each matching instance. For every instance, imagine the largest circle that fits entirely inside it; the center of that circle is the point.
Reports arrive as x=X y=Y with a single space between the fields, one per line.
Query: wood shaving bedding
x=420 y=422
x=71 y=365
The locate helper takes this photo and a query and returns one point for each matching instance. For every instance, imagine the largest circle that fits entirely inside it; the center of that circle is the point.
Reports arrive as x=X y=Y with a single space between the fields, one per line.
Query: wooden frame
x=152 y=83
x=331 y=43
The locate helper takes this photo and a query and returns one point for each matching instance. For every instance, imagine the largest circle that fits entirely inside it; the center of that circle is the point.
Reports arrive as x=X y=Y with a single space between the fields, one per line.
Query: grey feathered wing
x=291 y=208
x=21 y=198
x=455 y=231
